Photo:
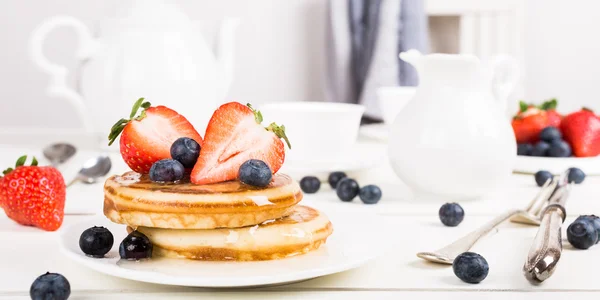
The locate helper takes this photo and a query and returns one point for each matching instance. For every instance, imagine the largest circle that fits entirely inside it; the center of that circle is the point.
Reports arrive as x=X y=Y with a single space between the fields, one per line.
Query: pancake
x=134 y=200
x=304 y=230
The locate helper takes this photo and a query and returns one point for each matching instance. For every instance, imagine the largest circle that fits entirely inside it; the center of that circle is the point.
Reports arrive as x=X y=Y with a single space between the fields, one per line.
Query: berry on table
x=347 y=189
x=576 y=175
x=310 y=184
x=540 y=149
x=550 y=134
x=96 y=241
x=135 y=246
x=186 y=151
x=470 y=267
x=50 y=286
x=582 y=234
x=370 y=194
x=542 y=176
x=451 y=214
x=335 y=177
x=255 y=172
x=595 y=220
x=166 y=170
x=524 y=149
x=559 y=148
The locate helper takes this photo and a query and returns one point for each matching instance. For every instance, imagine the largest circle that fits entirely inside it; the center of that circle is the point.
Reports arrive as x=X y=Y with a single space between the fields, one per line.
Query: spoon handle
x=73 y=181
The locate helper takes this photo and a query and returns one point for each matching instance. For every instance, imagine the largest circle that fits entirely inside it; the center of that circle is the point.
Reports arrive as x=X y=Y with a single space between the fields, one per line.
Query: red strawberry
x=148 y=137
x=582 y=131
x=530 y=120
x=33 y=196
x=233 y=136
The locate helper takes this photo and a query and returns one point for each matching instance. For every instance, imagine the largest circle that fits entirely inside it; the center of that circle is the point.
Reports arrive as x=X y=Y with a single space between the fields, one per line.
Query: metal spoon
x=59 y=153
x=92 y=169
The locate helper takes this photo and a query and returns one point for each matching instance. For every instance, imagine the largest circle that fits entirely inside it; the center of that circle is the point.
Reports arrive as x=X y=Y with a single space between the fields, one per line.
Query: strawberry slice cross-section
x=147 y=137
x=233 y=136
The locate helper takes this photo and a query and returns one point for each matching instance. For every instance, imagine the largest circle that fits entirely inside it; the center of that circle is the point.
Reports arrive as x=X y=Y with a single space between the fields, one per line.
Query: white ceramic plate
x=378 y=132
x=360 y=156
x=555 y=165
x=351 y=245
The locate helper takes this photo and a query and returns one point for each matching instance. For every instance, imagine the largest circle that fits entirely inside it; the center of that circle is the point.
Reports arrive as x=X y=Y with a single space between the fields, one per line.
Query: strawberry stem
x=279 y=131
x=549 y=105
x=257 y=114
x=116 y=129
x=21 y=162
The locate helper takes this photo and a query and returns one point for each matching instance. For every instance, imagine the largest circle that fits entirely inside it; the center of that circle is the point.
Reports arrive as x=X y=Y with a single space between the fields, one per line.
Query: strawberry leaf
x=279 y=131
x=549 y=105
x=587 y=109
x=7 y=171
x=116 y=129
x=34 y=162
x=21 y=160
x=523 y=106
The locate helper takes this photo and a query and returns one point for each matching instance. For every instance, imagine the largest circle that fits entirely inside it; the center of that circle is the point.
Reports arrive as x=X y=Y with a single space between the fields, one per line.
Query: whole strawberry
x=147 y=138
x=33 y=196
x=581 y=130
x=531 y=120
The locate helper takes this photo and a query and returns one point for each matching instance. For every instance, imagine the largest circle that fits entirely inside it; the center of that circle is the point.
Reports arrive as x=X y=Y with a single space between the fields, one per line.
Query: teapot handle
x=506 y=75
x=58 y=73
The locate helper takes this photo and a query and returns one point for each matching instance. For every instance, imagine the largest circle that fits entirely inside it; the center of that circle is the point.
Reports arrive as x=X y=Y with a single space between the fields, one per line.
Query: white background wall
x=280 y=52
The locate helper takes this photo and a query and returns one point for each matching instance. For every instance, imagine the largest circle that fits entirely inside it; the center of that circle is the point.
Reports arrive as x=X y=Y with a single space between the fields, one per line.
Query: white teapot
x=150 y=49
x=453 y=140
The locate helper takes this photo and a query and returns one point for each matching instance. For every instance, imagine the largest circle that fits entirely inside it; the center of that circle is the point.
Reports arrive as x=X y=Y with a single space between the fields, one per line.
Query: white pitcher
x=453 y=140
x=150 y=49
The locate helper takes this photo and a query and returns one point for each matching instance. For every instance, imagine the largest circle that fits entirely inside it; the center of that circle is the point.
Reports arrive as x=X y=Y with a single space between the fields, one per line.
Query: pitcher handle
x=506 y=75
x=58 y=73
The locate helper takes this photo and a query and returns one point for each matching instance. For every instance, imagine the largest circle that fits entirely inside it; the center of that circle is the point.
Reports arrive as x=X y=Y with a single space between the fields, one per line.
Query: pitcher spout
x=224 y=54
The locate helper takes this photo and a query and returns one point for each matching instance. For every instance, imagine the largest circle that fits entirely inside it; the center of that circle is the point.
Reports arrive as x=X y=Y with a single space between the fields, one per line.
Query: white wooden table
x=411 y=226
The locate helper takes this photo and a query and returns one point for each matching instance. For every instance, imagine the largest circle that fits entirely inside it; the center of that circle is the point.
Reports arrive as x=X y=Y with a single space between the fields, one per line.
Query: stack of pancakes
x=223 y=221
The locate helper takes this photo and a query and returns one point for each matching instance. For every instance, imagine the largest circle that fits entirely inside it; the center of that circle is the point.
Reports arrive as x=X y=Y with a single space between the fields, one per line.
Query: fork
x=529 y=215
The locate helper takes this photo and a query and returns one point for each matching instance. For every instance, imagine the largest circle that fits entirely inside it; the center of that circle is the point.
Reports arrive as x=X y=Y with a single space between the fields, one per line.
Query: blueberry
x=582 y=234
x=542 y=176
x=540 y=149
x=576 y=175
x=310 y=184
x=96 y=241
x=255 y=172
x=550 y=134
x=595 y=222
x=185 y=151
x=135 y=246
x=470 y=267
x=451 y=214
x=51 y=286
x=335 y=177
x=559 y=148
x=370 y=194
x=347 y=189
x=166 y=170
x=524 y=149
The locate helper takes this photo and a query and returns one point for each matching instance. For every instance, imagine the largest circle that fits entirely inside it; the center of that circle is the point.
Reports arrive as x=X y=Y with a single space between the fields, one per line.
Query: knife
x=545 y=252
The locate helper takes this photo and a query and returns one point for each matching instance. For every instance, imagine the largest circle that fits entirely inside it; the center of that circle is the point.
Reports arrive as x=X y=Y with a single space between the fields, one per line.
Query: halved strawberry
x=531 y=119
x=233 y=136
x=148 y=137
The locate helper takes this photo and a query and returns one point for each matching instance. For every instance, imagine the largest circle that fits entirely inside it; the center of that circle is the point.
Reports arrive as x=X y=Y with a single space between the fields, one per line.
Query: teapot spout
x=224 y=54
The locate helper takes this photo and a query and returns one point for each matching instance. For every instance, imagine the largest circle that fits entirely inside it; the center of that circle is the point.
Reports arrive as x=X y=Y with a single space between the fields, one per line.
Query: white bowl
x=392 y=99
x=316 y=130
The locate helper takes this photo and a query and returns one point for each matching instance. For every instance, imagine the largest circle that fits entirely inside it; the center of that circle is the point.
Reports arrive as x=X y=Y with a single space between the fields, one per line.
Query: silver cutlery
x=446 y=255
x=546 y=249
x=92 y=169
x=59 y=153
